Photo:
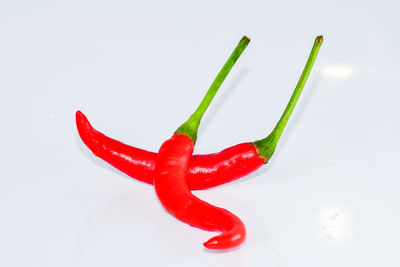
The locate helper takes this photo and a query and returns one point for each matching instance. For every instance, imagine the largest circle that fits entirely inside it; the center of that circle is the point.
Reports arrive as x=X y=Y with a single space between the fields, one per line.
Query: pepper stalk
x=191 y=126
x=266 y=147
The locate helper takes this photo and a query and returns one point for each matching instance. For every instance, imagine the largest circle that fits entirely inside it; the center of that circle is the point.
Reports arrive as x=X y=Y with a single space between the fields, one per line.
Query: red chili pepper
x=205 y=171
x=171 y=169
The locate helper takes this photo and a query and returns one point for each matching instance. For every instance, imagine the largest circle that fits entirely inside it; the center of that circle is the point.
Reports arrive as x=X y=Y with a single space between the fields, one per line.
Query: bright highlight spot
x=335 y=223
x=338 y=71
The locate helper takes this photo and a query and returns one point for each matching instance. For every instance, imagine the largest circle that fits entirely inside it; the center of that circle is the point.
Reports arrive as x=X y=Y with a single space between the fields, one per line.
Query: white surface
x=329 y=197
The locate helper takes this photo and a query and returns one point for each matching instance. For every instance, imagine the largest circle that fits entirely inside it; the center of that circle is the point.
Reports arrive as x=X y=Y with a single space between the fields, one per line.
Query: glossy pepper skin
x=174 y=193
x=205 y=171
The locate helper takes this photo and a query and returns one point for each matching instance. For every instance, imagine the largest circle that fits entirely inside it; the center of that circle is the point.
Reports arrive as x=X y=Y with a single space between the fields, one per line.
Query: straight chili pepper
x=171 y=169
x=205 y=171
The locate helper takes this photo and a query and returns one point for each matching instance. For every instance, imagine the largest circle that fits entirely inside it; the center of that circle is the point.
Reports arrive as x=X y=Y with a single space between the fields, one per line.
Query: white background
x=137 y=69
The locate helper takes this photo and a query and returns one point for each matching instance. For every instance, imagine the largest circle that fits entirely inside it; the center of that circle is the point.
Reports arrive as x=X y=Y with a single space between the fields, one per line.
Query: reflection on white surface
x=336 y=223
x=338 y=71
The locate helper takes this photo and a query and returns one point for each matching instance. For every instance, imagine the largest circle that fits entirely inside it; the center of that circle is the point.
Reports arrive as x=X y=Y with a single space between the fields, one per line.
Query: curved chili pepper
x=171 y=169
x=205 y=171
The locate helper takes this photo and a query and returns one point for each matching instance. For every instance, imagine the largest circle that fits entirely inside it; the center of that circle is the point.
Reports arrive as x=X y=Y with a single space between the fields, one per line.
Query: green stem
x=266 y=146
x=191 y=126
